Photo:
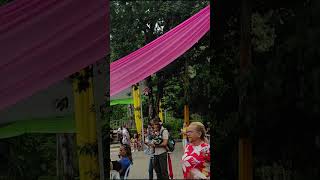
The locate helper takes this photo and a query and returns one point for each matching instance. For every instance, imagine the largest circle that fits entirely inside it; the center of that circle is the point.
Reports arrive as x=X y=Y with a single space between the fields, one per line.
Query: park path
x=140 y=162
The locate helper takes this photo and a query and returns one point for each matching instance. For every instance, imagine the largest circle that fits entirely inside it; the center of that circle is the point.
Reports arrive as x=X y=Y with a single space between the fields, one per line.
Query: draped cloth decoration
x=159 y=53
x=42 y=42
x=137 y=108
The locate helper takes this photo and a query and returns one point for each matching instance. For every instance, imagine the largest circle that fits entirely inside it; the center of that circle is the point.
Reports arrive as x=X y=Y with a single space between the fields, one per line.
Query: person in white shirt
x=125 y=135
x=119 y=132
x=160 y=149
x=150 y=150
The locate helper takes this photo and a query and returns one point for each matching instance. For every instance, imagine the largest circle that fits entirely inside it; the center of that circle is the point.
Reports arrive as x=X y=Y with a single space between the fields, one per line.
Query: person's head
x=196 y=132
x=155 y=122
x=125 y=151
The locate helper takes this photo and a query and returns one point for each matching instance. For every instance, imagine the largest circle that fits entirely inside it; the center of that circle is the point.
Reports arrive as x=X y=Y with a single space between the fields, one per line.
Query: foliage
x=3 y=2
x=30 y=156
x=136 y=23
x=118 y=113
x=282 y=88
x=132 y=21
x=173 y=125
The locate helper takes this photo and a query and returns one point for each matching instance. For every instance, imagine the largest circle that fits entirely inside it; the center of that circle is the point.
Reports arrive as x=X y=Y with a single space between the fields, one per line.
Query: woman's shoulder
x=204 y=144
x=205 y=147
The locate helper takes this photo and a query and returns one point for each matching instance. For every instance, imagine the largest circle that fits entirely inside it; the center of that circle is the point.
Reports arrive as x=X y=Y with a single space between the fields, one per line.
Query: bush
x=174 y=126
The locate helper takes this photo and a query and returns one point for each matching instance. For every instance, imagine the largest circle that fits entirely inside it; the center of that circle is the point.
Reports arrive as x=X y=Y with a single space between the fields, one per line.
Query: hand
x=152 y=145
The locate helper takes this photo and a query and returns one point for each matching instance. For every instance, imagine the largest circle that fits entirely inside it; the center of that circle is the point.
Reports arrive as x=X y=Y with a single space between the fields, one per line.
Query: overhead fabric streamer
x=52 y=125
x=149 y=59
x=42 y=42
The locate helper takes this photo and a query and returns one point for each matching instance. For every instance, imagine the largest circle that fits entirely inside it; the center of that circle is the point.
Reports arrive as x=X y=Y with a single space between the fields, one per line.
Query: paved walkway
x=140 y=162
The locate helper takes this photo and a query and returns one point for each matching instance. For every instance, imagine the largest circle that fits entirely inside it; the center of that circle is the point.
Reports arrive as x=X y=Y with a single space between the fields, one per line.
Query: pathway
x=140 y=162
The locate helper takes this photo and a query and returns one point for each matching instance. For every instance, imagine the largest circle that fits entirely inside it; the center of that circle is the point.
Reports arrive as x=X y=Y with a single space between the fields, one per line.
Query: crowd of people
x=125 y=138
x=195 y=160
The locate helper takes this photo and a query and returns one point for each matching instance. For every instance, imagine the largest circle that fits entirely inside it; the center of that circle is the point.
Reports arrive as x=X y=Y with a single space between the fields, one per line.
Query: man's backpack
x=171 y=142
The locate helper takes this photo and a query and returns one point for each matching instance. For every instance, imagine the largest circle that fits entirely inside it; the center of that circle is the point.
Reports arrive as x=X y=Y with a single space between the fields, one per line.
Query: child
x=134 y=143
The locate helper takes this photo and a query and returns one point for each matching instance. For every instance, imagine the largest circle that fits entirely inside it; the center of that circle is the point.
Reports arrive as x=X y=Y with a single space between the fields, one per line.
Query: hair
x=200 y=128
x=127 y=148
x=155 y=120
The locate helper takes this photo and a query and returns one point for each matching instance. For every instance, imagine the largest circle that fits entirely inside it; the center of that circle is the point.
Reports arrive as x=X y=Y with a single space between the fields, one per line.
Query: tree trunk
x=151 y=106
x=66 y=142
x=245 y=142
x=160 y=85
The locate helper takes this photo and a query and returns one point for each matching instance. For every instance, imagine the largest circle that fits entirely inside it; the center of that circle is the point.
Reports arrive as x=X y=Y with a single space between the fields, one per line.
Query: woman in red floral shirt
x=196 y=159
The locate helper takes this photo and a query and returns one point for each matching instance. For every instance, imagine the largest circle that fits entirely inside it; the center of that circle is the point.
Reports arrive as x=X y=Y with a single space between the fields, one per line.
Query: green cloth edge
x=121 y=101
x=47 y=125
x=44 y=125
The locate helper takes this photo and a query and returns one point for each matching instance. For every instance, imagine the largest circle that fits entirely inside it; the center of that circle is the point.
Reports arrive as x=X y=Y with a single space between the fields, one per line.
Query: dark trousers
x=150 y=168
x=161 y=165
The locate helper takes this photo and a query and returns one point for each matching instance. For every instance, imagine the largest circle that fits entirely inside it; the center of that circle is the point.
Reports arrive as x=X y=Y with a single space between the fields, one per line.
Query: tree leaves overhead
x=136 y=23
x=132 y=21
x=282 y=87
x=3 y=2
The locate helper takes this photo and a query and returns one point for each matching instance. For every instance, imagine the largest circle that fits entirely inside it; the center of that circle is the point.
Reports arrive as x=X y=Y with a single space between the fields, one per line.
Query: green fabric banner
x=121 y=101
x=48 y=125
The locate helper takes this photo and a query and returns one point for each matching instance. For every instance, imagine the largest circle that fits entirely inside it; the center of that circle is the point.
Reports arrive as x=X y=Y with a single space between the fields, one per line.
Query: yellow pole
x=187 y=122
x=160 y=112
x=137 y=108
x=85 y=118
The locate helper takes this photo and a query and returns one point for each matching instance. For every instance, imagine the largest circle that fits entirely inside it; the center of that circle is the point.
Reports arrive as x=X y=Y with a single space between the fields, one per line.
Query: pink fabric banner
x=44 y=41
x=159 y=53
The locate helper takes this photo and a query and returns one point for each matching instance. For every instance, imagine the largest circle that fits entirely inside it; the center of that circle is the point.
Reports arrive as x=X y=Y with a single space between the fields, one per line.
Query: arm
x=163 y=144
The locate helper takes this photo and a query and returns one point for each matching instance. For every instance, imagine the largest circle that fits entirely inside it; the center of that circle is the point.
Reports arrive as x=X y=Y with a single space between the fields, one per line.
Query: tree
x=135 y=24
x=282 y=82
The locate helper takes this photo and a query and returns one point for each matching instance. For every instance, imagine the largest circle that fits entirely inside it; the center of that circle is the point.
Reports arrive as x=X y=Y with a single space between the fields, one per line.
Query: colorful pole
x=85 y=118
x=186 y=115
x=137 y=108
x=161 y=112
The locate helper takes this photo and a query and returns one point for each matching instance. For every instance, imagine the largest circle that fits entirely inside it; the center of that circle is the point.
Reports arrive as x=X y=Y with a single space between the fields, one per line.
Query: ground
x=140 y=162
